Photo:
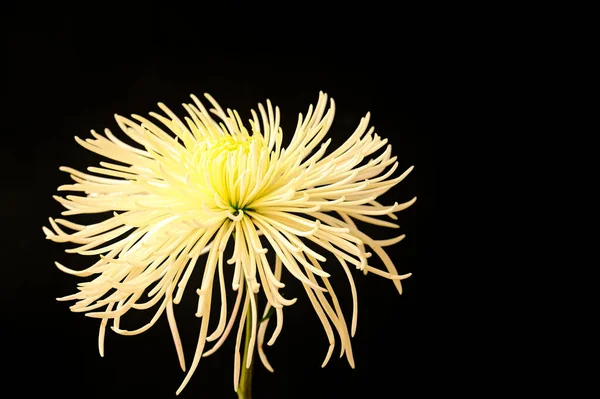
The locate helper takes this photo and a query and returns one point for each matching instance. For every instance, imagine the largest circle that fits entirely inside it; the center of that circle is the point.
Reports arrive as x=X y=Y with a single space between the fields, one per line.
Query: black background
x=70 y=68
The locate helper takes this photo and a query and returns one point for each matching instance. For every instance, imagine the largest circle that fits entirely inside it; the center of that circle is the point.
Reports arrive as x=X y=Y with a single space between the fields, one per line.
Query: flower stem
x=244 y=390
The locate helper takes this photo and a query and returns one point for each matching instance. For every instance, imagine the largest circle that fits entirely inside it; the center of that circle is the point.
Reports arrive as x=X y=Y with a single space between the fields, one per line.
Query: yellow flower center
x=228 y=168
x=232 y=143
x=210 y=149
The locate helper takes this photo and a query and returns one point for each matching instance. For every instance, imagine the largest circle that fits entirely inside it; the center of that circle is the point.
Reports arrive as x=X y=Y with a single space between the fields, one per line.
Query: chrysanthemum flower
x=188 y=190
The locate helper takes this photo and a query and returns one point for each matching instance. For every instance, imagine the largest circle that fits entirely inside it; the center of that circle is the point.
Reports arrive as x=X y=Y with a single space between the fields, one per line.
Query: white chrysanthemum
x=177 y=198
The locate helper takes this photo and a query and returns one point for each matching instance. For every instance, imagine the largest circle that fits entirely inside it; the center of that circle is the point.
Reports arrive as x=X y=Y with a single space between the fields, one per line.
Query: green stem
x=244 y=390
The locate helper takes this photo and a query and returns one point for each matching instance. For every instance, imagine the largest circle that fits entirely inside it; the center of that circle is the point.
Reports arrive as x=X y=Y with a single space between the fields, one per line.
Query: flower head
x=188 y=190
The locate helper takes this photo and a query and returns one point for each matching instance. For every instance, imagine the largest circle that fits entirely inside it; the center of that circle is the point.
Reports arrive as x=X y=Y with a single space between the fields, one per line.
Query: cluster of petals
x=176 y=198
